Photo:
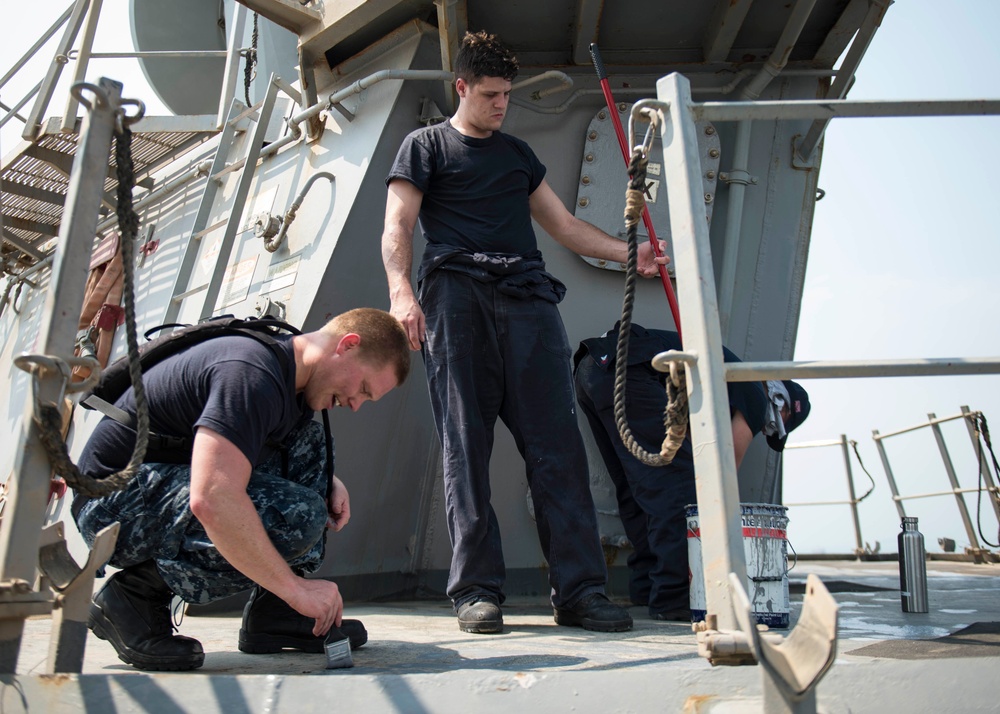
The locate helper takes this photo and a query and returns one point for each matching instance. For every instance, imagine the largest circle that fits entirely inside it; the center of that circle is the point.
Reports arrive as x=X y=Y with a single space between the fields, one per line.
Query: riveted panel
x=600 y=198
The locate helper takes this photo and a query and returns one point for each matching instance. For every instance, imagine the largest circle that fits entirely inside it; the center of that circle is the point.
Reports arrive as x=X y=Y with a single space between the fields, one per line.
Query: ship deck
x=417 y=660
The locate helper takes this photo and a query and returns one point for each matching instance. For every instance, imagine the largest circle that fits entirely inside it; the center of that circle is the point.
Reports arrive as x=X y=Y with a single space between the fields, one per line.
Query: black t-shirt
x=475 y=190
x=236 y=386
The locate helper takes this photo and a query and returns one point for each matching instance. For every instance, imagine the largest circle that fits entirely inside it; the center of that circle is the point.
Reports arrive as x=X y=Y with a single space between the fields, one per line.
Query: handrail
x=933 y=423
x=26 y=57
x=683 y=176
x=820 y=369
x=852 y=501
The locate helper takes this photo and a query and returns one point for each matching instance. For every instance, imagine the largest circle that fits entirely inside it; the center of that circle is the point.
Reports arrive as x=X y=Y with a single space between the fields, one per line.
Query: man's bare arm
x=402 y=206
x=219 y=477
x=582 y=237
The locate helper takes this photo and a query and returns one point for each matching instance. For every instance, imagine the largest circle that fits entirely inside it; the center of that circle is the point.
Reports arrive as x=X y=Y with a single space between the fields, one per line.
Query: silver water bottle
x=912 y=567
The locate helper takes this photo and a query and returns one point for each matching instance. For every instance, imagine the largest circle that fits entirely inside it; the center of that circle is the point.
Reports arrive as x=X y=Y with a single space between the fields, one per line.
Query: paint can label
x=765 y=547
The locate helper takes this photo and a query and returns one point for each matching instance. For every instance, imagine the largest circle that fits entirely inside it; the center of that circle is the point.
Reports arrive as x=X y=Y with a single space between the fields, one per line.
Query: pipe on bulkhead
x=739 y=177
x=339 y=96
x=565 y=83
x=272 y=246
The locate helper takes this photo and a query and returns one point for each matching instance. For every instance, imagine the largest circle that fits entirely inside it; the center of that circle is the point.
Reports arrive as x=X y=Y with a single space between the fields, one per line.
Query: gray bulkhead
x=388 y=454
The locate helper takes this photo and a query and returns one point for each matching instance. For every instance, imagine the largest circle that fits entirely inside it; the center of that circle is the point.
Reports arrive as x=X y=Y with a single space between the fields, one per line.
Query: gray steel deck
x=418 y=661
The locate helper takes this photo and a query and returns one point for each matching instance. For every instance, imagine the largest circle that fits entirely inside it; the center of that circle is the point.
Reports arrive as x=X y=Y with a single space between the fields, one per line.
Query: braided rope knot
x=635 y=201
x=675 y=416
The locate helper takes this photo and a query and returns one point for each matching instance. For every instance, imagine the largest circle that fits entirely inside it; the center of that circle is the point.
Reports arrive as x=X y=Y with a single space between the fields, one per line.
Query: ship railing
x=987 y=485
x=12 y=112
x=975 y=550
x=729 y=634
x=83 y=16
x=852 y=500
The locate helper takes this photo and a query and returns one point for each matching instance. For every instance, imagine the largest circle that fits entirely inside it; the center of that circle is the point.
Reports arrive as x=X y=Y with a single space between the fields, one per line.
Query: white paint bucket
x=765 y=546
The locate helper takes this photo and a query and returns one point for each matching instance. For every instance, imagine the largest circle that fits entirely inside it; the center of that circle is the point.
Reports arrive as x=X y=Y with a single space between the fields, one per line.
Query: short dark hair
x=383 y=339
x=484 y=55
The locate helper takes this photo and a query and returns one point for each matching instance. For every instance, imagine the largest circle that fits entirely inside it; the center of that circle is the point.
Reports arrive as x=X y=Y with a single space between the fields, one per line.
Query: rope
x=48 y=418
x=675 y=416
x=251 y=64
x=854 y=445
x=982 y=430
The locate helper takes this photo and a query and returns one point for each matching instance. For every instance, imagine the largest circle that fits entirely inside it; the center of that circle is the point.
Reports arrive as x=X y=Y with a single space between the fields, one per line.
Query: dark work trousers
x=651 y=499
x=488 y=354
x=156 y=520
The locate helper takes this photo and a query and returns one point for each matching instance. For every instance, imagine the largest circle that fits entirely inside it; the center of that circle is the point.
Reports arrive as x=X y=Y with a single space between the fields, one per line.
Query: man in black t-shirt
x=652 y=499
x=493 y=342
x=249 y=504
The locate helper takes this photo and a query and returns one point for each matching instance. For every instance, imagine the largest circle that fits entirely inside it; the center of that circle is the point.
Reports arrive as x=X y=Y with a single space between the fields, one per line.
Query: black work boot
x=595 y=612
x=271 y=625
x=132 y=612
x=481 y=616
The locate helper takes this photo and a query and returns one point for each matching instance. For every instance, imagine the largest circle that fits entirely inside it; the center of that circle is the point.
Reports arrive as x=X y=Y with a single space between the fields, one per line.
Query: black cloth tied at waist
x=520 y=276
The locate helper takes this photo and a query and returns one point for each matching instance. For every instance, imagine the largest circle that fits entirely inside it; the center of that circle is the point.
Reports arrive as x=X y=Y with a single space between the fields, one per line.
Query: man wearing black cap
x=787 y=407
x=651 y=499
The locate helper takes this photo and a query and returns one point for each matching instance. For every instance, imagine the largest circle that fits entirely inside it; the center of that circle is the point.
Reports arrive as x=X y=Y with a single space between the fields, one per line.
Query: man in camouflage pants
x=249 y=505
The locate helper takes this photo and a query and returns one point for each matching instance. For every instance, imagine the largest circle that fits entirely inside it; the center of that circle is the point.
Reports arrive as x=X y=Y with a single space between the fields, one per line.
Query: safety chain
x=48 y=417
x=982 y=431
x=675 y=416
x=250 y=68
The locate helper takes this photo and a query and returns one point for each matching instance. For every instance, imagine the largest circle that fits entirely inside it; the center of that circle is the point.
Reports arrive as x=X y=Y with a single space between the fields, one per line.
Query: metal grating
x=35 y=178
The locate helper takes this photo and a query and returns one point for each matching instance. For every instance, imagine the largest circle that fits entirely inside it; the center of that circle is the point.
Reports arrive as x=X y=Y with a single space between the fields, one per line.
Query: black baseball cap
x=799 y=410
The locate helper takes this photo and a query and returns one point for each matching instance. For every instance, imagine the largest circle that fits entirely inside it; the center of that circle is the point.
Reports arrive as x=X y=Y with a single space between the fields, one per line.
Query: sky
x=902 y=263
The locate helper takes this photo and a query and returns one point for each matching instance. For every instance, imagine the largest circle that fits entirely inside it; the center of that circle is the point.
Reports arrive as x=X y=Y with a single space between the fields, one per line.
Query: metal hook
x=123 y=120
x=77 y=91
x=668 y=361
x=34 y=364
x=652 y=111
x=140 y=111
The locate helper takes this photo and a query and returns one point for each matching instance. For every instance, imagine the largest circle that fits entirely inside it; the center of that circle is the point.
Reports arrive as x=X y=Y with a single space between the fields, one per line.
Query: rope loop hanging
x=675 y=416
x=48 y=417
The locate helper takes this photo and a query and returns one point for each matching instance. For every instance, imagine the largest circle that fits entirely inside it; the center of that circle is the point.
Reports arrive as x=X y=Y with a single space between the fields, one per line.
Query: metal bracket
x=798 y=161
x=722 y=647
x=792 y=666
x=40 y=367
x=18 y=600
x=74 y=587
x=344 y=111
x=738 y=176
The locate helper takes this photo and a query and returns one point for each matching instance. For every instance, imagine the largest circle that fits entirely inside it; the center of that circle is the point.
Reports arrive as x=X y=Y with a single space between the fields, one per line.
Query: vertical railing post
x=82 y=63
x=888 y=474
x=20 y=530
x=859 y=545
x=255 y=143
x=229 y=78
x=711 y=430
x=949 y=468
x=55 y=70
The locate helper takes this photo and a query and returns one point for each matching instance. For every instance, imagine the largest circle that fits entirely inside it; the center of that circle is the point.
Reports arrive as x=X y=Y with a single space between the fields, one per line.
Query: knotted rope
x=675 y=416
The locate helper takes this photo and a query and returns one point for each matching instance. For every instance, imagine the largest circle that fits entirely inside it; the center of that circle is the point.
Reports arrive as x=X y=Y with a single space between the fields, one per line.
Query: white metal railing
x=85 y=15
x=728 y=629
x=934 y=424
x=853 y=500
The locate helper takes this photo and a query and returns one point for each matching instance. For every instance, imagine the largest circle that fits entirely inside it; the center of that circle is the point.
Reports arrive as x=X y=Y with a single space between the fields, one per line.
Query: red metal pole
x=602 y=75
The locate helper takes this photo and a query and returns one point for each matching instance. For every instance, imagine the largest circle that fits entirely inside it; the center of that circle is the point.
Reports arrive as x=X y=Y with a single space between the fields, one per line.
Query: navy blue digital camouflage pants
x=156 y=520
